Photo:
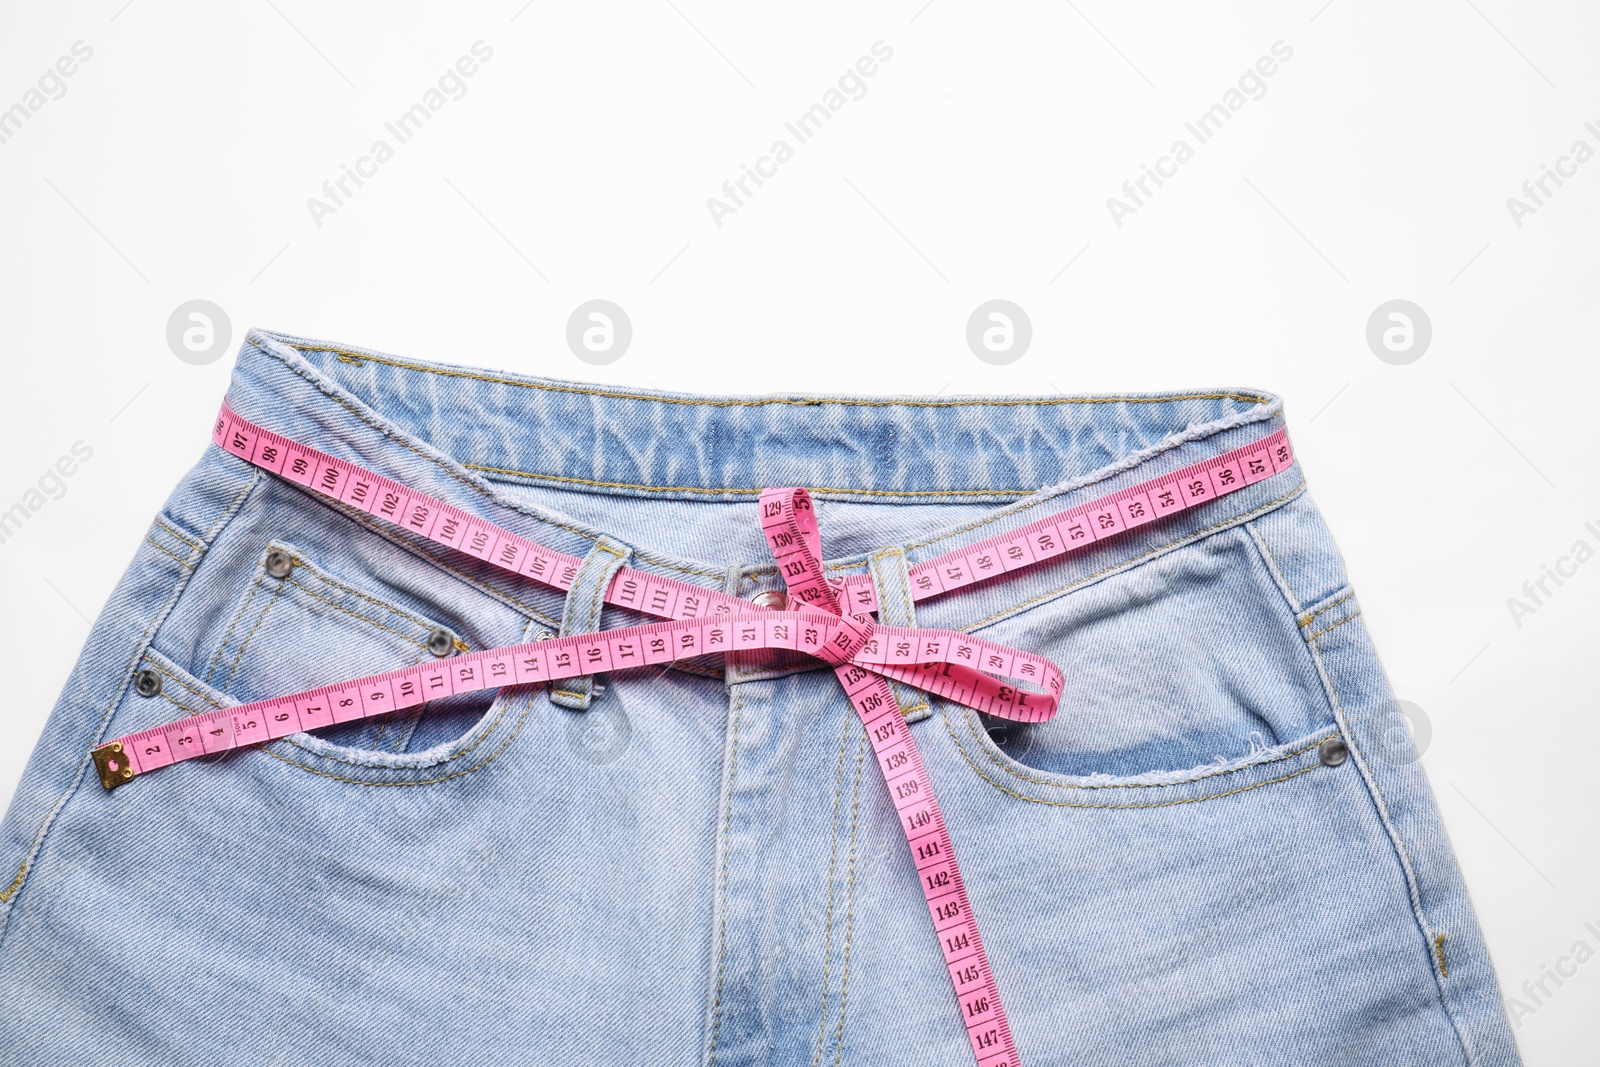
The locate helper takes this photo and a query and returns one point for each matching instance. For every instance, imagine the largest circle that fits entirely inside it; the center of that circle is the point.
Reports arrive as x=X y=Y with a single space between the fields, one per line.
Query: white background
x=178 y=163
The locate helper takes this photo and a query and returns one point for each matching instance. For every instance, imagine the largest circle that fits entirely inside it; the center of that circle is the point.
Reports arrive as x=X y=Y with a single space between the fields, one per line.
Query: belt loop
x=585 y=600
x=896 y=608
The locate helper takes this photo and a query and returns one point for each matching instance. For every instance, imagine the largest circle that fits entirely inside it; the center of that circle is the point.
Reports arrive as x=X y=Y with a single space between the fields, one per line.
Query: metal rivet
x=441 y=642
x=1333 y=751
x=772 y=598
x=279 y=563
x=147 y=683
x=545 y=635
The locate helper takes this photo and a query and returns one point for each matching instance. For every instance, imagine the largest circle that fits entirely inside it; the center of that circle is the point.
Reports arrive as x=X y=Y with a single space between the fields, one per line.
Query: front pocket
x=976 y=748
x=1198 y=903
x=493 y=727
x=298 y=626
x=1190 y=658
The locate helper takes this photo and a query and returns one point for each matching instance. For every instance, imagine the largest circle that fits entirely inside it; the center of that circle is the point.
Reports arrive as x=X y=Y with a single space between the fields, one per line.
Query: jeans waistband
x=966 y=467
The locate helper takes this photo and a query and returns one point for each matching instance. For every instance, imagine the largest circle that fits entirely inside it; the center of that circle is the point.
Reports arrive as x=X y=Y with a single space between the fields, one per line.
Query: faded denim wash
x=700 y=865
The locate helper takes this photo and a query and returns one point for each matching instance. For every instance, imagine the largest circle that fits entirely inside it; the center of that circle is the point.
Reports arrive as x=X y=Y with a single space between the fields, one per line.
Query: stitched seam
x=386 y=718
x=339 y=607
x=588 y=623
x=12 y=888
x=727 y=829
x=138 y=652
x=1407 y=867
x=1306 y=618
x=1023 y=509
x=895 y=687
x=243 y=608
x=127 y=672
x=487 y=733
x=850 y=915
x=401 y=721
x=905 y=594
x=833 y=855
x=1015 y=773
x=1159 y=804
x=718 y=490
x=407 y=730
x=432 y=461
x=688 y=668
x=1273 y=569
x=179 y=535
x=490 y=758
x=583 y=568
x=1394 y=835
x=922 y=703
x=419 y=549
x=289 y=740
x=642 y=555
x=660 y=562
x=166 y=552
x=290 y=580
x=762 y=401
x=1193 y=535
x=162 y=670
x=238 y=658
x=321 y=576
x=183 y=707
x=1438 y=945
x=1335 y=626
x=593 y=620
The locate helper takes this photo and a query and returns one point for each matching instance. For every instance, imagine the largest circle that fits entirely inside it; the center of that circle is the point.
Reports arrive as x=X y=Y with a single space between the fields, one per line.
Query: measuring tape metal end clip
x=113 y=765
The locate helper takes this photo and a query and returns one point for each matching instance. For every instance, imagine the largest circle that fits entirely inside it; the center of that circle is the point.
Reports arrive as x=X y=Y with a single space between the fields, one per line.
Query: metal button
x=147 y=683
x=772 y=598
x=279 y=563
x=1333 y=751
x=441 y=642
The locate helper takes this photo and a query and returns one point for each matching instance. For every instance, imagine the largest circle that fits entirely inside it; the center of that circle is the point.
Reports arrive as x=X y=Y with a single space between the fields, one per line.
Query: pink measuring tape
x=828 y=619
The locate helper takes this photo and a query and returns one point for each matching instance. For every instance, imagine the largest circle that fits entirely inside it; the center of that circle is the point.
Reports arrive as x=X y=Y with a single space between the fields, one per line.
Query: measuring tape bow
x=790 y=524
x=827 y=619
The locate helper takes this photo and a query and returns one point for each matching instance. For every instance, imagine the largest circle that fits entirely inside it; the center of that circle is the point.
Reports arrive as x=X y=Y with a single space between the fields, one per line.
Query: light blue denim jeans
x=700 y=865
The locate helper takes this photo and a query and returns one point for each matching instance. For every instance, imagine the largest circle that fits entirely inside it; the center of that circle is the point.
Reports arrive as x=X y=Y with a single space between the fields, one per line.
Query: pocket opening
x=1191 y=658
x=296 y=626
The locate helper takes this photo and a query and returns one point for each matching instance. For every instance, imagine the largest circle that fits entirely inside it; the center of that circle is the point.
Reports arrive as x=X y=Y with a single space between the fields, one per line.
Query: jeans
x=698 y=864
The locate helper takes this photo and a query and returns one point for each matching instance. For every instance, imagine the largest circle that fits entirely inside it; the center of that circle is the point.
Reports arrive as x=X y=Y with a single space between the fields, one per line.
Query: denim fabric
x=702 y=865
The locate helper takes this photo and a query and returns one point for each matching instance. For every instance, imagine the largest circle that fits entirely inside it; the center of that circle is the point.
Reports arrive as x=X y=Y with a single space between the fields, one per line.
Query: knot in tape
x=790 y=524
x=938 y=661
x=851 y=636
